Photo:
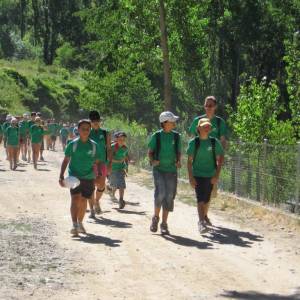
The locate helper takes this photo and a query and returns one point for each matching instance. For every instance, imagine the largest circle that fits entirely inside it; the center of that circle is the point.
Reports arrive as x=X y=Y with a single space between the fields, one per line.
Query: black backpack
x=158 y=144
x=213 y=146
x=218 y=124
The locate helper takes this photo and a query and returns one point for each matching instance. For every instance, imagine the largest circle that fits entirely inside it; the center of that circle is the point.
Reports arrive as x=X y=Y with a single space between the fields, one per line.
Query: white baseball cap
x=167 y=116
x=8 y=117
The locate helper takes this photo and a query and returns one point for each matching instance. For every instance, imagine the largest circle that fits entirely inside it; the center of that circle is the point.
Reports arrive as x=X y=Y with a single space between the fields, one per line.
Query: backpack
x=158 y=144
x=218 y=124
x=75 y=145
x=213 y=146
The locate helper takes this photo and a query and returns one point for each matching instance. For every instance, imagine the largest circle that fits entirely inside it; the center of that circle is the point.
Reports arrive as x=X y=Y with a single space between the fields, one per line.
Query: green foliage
x=257 y=115
x=65 y=56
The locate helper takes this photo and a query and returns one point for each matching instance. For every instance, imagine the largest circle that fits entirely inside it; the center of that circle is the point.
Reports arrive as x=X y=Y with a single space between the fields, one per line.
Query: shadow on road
x=229 y=236
x=44 y=170
x=129 y=212
x=183 y=241
x=97 y=239
x=259 y=296
x=112 y=223
x=132 y=203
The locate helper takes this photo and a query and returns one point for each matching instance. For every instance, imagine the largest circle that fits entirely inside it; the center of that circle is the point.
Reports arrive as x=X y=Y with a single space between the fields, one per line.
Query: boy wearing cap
x=205 y=158
x=103 y=138
x=120 y=160
x=81 y=154
x=165 y=157
x=5 y=125
x=64 y=134
x=13 y=143
x=23 y=125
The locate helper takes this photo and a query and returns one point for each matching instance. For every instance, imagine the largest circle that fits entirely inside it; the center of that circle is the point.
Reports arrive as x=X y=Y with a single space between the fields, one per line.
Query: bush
x=65 y=56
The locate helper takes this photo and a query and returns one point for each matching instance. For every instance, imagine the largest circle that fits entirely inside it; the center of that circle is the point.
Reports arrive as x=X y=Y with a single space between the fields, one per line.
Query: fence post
x=263 y=177
x=297 y=190
x=237 y=169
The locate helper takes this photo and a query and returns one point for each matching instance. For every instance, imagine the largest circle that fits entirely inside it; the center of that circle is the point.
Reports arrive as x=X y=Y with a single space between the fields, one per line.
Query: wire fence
x=262 y=172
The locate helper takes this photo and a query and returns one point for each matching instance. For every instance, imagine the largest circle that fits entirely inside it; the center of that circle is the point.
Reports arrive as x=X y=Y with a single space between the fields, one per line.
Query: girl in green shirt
x=205 y=158
x=13 y=143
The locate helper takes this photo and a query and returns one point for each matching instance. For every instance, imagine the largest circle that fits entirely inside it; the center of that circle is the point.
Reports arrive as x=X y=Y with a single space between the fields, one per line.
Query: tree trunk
x=46 y=34
x=36 y=17
x=236 y=75
x=166 y=62
x=22 y=18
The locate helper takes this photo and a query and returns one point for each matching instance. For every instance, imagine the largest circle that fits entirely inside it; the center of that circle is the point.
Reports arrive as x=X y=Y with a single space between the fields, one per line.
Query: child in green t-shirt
x=13 y=143
x=205 y=158
x=165 y=155
x=120 y=162
x=81 y=154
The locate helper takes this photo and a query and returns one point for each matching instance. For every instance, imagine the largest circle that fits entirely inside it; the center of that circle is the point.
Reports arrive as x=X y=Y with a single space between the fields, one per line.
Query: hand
x=178 y=165
x=155 y=163
x=61 y=181
x=214 y=180
x=193 y=182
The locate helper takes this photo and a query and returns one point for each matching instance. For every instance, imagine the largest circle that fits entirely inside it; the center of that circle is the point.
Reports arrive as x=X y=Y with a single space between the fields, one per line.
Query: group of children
x=25 y=137
x=92 y=155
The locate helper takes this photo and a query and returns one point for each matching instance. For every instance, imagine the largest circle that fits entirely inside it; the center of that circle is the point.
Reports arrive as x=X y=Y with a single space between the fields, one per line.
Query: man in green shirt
x=103 y=138
x=13 y=142
x=54 y=130
x=30 y=122
x=205 y=158
x=64 y=134
x=165 y=157
x=81 y=154
x=219 y=129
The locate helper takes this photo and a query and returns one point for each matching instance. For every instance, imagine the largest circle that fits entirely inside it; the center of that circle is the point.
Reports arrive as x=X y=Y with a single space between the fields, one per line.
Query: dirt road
x=121 y=259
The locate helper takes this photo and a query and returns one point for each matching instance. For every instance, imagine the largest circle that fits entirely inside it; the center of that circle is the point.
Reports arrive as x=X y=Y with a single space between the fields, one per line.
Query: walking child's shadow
x=97 y=239
x=187 y=242
x=222 y=235
x=112 y=223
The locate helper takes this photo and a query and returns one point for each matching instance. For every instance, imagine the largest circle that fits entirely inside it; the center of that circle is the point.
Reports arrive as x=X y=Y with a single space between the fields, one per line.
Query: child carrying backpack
x=205 y=158
x=165 y=157
x=120 y=162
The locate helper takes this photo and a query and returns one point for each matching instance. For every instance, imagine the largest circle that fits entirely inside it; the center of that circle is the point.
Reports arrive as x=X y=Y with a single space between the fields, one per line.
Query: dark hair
x=94 y=115
x=84 y=121
x=120 y=134
x=33 y=114
x=39 y=114
x=212 y=98
x=162 y=124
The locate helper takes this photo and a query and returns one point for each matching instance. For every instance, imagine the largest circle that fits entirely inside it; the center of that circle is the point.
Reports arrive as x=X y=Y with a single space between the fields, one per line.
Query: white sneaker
x=81 y=229
x=202 y=227
x=74 y=231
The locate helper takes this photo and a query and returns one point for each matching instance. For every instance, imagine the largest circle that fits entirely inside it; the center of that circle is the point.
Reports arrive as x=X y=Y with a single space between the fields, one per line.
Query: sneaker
x=207 y=221
x=74 y=231
x=121 y=204
x=98 y=209
x=81 y=229
x=92 y=214
x=42 y=158
x=202 y=227
x=154 y=224
x=164 y=229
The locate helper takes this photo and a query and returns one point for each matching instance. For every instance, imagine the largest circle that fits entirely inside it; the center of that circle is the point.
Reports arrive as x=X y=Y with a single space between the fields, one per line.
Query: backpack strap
x=94 y=148
x=213 y=146
x=176 y=144
x=105 y=139
x=197 y=146
x=158 y=144
x=219 y=126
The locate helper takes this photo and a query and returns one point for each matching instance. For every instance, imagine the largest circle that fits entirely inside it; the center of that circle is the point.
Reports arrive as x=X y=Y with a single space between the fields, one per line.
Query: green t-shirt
x=98 y=136
x=53 y=129
x=167 y=156
x=203 y=163
x=36 y=133
x=1 y=130
x=119 y=153
x=83 y=158
x=214 y=130
x=23 y=125
x=13 y=136
x=64 y=132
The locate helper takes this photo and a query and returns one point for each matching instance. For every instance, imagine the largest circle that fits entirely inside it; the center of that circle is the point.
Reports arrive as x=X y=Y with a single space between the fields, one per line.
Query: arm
x=63 y=169
x=220 y=160
x=109 y=152
x=190 y=171
x=153 y=162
